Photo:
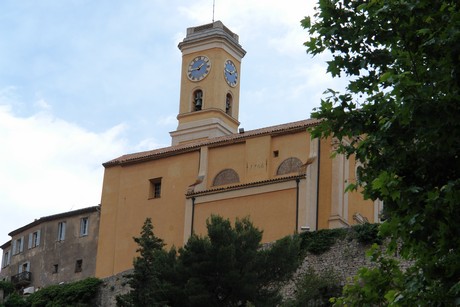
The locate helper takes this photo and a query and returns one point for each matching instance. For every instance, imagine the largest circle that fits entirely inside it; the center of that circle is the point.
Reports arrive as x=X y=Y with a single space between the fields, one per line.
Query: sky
x=84 y=81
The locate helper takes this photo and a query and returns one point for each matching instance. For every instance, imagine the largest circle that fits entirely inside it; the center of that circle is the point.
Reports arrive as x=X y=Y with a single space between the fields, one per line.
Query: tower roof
x=199 y=35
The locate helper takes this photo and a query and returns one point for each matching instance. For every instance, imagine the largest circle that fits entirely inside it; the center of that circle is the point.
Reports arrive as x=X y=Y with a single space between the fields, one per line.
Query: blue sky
x=82 y=82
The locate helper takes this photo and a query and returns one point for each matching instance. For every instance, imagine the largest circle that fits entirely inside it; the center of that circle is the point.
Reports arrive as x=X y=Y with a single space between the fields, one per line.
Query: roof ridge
x=140 y=156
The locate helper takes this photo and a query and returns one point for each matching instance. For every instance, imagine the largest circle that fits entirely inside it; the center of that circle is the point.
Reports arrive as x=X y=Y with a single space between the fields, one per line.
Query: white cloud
x=49 y=166
x=42 y=104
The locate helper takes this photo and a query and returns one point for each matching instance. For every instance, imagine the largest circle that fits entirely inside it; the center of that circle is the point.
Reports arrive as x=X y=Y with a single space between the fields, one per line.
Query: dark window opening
x=155 y=188
x=61 y=231
x=84 y=222
x=228 y=104
x=198 y=100
x=78 y=265
x=55 y=268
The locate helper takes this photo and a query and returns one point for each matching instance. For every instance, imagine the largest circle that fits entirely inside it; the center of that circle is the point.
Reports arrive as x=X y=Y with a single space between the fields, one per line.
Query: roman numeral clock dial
x=230 y=73
x=198 y=68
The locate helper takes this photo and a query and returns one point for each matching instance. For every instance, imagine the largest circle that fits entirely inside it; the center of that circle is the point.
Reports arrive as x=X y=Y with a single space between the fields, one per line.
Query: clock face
x=230 y=73
x=198 y=68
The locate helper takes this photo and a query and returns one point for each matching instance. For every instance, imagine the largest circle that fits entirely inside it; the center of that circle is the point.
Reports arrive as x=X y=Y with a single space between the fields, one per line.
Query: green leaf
x=306 y=22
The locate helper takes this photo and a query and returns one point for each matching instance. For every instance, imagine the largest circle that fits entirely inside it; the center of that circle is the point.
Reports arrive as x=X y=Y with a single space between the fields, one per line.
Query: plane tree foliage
x=399 y=115
x=227 y=267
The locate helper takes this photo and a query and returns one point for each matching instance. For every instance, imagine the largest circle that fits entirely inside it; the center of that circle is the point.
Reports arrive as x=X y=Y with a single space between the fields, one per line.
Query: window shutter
x=38 y=237
x=63 y=230
x=30 y=240
x=9 y=258
x=20 y=269
x=28 y=266
x=14 y=247
x=21 y=246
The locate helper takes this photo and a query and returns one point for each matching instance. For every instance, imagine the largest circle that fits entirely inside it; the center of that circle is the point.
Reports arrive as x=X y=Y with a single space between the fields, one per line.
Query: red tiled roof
x=245 y=185
x=223 y=140
x=54 y=217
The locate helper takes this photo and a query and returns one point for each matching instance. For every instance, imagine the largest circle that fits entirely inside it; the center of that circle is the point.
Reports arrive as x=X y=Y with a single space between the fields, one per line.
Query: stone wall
x=344 y=259
x=111 y=287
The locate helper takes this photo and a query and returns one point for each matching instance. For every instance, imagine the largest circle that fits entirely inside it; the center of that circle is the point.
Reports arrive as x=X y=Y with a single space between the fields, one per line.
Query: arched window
x=226 y=176
x=290 y=165
x=197 y=100
x=228 y=104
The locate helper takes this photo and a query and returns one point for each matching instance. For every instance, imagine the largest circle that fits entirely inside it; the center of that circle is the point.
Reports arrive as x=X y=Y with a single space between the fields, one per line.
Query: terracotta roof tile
x=192 y=146
x=244 y=185
x=54 y=217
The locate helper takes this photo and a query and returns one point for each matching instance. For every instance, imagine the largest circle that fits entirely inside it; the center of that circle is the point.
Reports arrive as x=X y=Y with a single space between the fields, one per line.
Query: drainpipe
x=297 y=207
x=193 y=214
x=317 y=182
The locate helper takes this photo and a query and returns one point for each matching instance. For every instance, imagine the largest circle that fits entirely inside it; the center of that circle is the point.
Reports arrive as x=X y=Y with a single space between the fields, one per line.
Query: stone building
x=51 y=250
x=279 y=176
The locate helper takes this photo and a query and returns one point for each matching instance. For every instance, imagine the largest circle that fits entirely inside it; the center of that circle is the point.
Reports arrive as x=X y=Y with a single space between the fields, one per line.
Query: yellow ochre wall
x=214 y=86
x=125 y=206
x=268 y=199
x=187 y=170
x=272 y=212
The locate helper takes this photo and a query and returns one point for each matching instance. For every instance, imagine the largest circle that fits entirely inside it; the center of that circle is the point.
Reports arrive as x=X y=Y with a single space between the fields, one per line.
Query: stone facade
x=112 y=287
x=53 y=249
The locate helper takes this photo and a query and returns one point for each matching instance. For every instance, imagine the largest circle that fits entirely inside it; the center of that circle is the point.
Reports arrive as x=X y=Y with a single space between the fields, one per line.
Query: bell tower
x=210 y=87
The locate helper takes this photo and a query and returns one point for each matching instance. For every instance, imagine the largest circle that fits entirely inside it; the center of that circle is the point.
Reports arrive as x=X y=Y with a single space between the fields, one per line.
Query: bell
x=198 y=104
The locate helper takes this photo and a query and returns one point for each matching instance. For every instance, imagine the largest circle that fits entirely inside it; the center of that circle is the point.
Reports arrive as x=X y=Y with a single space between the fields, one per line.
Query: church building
x=282 y=179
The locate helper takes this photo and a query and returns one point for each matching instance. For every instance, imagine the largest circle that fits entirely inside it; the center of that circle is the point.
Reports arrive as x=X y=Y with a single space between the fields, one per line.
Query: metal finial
x=213 y=5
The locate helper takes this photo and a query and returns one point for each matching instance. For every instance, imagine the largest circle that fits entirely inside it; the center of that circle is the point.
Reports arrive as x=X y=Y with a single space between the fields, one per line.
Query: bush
x=7 y=287
x=318 y=242
x=367 y=233
x=15 y=300
x=80 y=293
x=315 y=289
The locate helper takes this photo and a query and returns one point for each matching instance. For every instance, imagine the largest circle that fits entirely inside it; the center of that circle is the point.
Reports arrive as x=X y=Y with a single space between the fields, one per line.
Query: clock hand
x=197 y=68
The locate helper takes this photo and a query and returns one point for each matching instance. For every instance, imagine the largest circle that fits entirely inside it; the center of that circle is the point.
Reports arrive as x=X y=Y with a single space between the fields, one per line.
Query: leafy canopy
x=400 y=117
x=150 y=267
x=225 y=268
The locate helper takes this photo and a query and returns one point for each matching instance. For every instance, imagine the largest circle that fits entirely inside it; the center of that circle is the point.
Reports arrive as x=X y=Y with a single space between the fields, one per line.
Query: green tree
x=400 y=116
x=153 y=267
x=229 y=268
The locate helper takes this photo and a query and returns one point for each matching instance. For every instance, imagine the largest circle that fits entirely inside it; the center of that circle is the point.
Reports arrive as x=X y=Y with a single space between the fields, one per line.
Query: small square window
x=276 y=153
x=155 y=188
x=78 y=265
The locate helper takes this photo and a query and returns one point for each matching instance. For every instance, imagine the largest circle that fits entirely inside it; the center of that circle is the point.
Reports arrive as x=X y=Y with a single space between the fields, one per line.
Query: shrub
x=367 y=233
x=80 y=293
x=318 y=242
x=315 y=289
